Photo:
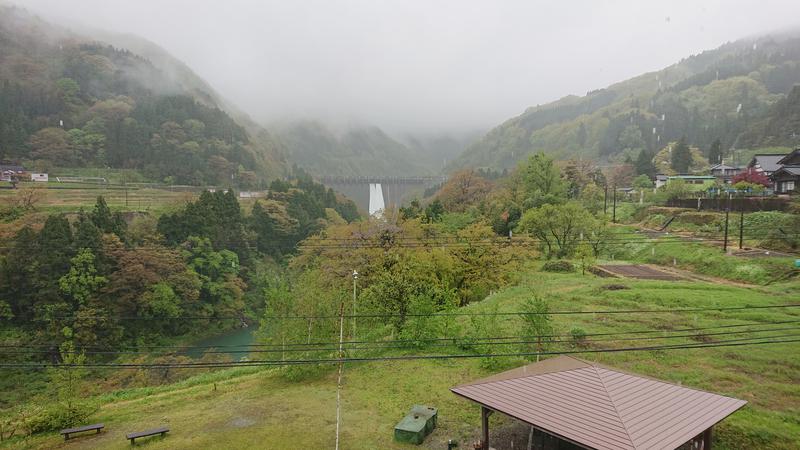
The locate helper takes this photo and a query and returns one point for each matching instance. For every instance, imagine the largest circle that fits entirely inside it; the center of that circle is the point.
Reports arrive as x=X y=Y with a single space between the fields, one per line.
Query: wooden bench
x=68 y=431
x=133 y=436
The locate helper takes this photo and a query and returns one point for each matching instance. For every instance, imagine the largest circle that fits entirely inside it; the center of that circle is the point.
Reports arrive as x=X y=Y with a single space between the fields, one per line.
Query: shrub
x=57 y=416
x=578 y=337
x=306 y=372
x=560 y=266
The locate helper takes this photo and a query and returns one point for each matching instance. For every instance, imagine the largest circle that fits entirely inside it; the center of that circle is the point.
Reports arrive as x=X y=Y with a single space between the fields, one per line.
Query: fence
x=747 y=204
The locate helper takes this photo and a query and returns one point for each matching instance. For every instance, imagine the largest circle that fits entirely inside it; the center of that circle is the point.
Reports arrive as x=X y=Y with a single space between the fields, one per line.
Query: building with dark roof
x=766 y=163
x=581 y=404
x=724 y=172
x=786 y=178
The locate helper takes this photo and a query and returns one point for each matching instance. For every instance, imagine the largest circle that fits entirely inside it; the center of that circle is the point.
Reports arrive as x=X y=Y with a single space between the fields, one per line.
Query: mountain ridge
x=697 y=97
x=73 y=100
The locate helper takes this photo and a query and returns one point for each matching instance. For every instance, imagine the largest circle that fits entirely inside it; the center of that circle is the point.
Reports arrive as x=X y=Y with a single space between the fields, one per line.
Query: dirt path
x=639 y=272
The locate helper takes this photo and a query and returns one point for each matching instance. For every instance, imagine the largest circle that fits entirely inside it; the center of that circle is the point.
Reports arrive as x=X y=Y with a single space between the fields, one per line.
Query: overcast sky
x=421 y=65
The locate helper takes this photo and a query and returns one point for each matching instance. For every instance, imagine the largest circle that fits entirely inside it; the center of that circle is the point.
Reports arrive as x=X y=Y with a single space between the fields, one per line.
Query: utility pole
x=741 y=226
x=727 y=212
x=614 y=209
x=341 y=368
x=355 y=278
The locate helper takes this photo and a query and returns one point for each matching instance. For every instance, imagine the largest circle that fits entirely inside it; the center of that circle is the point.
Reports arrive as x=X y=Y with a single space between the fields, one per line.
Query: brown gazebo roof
x=600 y=407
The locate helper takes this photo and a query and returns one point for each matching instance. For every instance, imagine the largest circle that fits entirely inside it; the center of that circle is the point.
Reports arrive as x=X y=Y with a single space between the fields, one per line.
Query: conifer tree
x=681 y=157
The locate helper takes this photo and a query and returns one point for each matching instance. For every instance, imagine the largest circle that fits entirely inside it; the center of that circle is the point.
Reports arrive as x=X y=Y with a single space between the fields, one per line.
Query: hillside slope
x=725 y=93
x=70 y=101
x=354 y=151
x=252 y=407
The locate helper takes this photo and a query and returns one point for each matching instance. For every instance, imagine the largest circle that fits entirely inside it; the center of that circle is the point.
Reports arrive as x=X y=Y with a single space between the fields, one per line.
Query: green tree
x=68 y=409
x=676 y=188
x=559 y=227
x=644 y=164
x=715 y=152
x=434 y=212
x=82 y=279
x=681 y=157
x=107 y=221
x=541 y=181
x=536 y=324
x=642 y=182
x=585 y=255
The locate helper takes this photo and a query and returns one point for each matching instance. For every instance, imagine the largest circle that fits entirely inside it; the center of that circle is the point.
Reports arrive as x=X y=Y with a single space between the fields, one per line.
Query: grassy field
x=70 y=197
x=261 y=408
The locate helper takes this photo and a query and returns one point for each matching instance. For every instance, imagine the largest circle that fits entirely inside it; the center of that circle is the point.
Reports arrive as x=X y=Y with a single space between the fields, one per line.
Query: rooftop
x=767 y=162
x=600 y=407
x=793 y=170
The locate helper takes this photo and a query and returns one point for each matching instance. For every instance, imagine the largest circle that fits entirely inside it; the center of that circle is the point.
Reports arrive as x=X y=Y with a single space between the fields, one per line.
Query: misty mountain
x=67 y=100
x=322 y=149
x=740 y=93
x=356 y=150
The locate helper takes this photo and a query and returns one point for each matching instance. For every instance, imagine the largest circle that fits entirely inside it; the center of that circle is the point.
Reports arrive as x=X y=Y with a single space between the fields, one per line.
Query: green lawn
x=260 y=408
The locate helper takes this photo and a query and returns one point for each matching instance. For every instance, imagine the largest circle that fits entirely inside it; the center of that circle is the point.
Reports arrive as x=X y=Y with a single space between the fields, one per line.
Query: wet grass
x=259 y=408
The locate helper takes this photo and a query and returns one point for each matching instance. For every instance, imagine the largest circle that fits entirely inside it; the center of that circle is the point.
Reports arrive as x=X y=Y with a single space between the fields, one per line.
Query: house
x=9 y=172
x=661 y=180
x=724 y=173
x=766 y=163
x=786 y=179
x=41 y=177
x=574 y=404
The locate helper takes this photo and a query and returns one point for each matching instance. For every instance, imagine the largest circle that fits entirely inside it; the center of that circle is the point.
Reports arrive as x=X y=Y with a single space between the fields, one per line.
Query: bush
x=578 y=337
x=57 y=416
x=560 y=266
x=306 y=372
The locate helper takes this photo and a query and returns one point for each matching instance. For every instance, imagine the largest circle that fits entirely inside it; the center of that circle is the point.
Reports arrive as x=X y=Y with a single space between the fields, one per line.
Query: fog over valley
x=419 y=67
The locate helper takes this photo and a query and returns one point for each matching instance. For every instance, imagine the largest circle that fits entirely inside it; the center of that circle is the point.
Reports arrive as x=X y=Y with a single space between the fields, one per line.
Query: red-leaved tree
x=752 y=176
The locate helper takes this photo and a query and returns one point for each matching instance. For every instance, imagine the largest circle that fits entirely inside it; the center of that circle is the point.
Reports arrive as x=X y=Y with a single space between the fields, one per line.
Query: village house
x=10 y=172
x=786 y=178
x=724 y=173
x=766 y=163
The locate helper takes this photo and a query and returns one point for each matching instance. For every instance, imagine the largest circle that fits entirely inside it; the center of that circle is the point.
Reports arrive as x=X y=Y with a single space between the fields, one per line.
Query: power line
x=462 y=342
x=439 y=314
x=256 y=363
x=478 y=341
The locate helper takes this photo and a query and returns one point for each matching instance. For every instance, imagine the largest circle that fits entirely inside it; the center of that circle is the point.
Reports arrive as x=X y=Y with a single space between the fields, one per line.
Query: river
x=234 y=343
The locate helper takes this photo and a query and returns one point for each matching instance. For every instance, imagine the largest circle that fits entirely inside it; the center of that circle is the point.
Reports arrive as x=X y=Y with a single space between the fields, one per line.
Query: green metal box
x=412 y=429
x=426 y=411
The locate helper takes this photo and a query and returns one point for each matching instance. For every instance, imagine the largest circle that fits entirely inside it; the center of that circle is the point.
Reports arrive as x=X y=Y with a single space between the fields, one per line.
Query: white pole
x=355 y=277
x=339 y=381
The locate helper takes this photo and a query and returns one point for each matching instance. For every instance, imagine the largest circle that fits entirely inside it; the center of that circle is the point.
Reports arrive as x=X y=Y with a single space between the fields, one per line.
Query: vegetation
x=740 y=93
x=77 y=103
x=485 y=270
x=356 y=151
x=91 y=280
x=375 y=395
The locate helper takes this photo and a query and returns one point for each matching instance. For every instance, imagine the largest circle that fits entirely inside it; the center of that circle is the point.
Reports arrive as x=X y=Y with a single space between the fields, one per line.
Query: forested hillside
x=69 y=101
x=740 y=93
x=355 y=151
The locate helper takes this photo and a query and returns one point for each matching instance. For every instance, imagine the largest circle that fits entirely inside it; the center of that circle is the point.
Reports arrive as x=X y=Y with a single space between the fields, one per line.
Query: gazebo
x=587 y=405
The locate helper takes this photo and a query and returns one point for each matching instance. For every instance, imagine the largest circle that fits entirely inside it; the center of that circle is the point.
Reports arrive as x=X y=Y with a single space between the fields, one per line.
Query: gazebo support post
x=485 y=413
x=707 y=439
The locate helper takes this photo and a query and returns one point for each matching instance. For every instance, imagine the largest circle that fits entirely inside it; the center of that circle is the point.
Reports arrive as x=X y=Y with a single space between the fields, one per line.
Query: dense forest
x=740 y=94
x=94 y=279
x=67 y=101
